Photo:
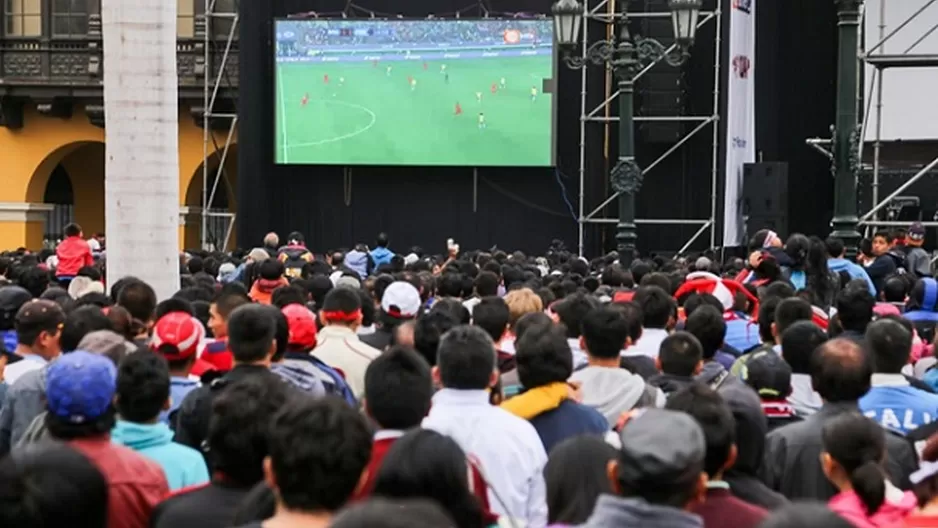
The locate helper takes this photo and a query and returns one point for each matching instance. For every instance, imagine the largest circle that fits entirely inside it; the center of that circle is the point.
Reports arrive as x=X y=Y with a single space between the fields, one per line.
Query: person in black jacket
x=252 y=328
x=883 y=265
x=840 y=373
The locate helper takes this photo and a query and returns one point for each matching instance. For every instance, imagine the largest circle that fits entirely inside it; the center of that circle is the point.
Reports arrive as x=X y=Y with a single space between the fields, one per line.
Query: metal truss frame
x=703 y=121
x=214 y=79
x=880 y=62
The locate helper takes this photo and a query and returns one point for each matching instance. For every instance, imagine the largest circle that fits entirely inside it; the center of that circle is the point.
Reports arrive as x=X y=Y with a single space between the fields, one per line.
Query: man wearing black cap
x=658 y=475
x=917 y=260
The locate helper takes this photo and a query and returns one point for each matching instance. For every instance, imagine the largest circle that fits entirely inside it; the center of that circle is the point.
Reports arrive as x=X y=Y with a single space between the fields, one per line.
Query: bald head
x=840 y=371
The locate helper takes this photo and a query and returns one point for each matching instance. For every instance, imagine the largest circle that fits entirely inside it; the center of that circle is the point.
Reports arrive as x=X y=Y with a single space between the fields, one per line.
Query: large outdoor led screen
x=414 y=92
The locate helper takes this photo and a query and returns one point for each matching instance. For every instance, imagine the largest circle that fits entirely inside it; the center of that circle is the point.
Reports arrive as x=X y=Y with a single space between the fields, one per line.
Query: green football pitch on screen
x=485 y=111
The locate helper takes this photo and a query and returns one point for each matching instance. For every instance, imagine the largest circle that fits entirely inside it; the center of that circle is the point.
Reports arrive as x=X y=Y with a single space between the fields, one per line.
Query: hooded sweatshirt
x=751 y=428
x=357 y=261
x=615 y=512
x=381 y=255
x=855 y=271
x=263 y=289
x=612 y=391
x=897 y=506
x=183 y=466
x=300 y=375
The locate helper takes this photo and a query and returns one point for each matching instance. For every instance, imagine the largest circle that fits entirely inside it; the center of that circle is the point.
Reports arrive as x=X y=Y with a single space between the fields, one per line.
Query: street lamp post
x=846 y=140
x=626 y=56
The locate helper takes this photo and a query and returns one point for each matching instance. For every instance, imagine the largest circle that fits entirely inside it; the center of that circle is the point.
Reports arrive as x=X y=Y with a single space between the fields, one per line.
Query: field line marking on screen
x=283 y=115
x=344 y=136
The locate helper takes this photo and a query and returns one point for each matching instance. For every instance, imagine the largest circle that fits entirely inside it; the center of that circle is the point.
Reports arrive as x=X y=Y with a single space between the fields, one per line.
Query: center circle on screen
x=370 y=122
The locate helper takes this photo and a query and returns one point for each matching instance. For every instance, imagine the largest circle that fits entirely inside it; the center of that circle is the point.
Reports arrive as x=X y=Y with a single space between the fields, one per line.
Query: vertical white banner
x=740 y=116
x=141 y=118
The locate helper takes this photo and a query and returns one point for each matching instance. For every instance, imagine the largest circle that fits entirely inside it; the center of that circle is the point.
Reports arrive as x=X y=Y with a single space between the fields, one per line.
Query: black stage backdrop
x=525 y=208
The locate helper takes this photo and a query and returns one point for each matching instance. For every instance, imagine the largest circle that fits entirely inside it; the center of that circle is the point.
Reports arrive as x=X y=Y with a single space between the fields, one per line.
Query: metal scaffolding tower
x=218 y=75
x=603 y=11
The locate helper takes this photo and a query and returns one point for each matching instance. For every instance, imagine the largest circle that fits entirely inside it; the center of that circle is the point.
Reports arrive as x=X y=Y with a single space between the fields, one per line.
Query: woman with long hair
x=576 y=477
x=854 y=450
x=426 y=464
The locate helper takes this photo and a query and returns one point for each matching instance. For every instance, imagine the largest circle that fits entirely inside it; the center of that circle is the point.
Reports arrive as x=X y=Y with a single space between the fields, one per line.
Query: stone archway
x=223 y=201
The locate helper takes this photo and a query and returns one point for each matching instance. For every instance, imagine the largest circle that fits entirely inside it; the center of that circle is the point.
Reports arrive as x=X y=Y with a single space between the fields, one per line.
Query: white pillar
x=141 y=134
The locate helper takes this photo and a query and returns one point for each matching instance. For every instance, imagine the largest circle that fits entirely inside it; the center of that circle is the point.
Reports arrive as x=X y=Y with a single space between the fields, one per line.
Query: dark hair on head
x=576 y=476
x=382 y=513
x=92 y=299
x=536 y=320
x=251 y=332
x=486 y=284
x=35 y=280
x=321 y=475
x=139 y=299
x=172 y=305
x=398 y=389
x=658 y=279
x=840 y=371
x=491 y=314
x=382 y=240
x=855 y=309
x=194 y=265
x=345 y=300
x=281 y=333
x=805 y=514
x=239 y=426
x=708 y=326
x=429 y=329
x=767 y=317
x=917 y=298
x=72 y=229
x=124 y=324
x=225 y=303
x=680 y=353
x=633 y=315
x=890 y=344
x=450 y=285
x=790 y=311
x=778 y=289
x=543 y=357
x=696 y=300
x=270 y=269
x=52 y=485
x=894 y=289
x=318 y=286
x=835 y=246
x=884 y=234
x=615 y=276
x=711 y=411
x=657 y=306
x=817 y=274
x=799 y=343
x=605 y=331
x=572 y=310
x=142 y=387
x=369 y=312
x=287 y=295
x=63 y=429
x=454 y=308
x=858 y=445
x=796 y=247
x=81 y=322
x=466 y=358
x=427 y=464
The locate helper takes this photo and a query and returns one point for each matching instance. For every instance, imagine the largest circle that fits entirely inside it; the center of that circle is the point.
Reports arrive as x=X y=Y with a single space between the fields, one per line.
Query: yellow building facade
x=52 y=140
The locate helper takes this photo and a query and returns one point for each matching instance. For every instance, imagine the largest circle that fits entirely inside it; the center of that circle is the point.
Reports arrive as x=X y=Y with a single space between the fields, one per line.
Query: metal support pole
x=715 y=150
x=475 y=190
x=846 y=140
x=626 y=230
x=877 y=145
x=584 y=45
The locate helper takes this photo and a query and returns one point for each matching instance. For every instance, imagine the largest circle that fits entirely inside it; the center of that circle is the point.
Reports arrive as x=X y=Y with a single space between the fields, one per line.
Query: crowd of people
x=284 y=387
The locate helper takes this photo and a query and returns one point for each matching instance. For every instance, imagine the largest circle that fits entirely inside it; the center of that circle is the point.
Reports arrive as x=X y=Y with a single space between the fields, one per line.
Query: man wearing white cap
x=400 y=303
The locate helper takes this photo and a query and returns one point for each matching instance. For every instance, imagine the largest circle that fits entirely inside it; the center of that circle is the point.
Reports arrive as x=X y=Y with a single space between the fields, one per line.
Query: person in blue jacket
x=142 y=392
x=838 y=263
x=381 y=254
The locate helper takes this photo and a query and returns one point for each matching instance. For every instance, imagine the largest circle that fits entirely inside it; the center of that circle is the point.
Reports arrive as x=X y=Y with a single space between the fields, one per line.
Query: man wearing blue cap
x=79 y=393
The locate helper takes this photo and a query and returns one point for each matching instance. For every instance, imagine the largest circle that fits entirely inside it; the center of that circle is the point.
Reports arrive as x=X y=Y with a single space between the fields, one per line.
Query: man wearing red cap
x=338 y=345
x=179 y=337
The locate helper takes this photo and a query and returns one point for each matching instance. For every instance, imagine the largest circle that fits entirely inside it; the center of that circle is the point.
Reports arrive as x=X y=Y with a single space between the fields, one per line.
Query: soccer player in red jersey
x=494 y=88
x=424 y=65
x=305 y=99
x=325 y=78
x=458 y=110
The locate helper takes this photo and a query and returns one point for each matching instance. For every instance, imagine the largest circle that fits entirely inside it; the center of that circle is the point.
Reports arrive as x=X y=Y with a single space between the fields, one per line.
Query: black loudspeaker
x=765 y=197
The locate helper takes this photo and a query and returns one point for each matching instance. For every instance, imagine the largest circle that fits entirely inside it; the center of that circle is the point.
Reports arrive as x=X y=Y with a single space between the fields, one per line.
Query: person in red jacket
x=73 y=253
x=80 y=389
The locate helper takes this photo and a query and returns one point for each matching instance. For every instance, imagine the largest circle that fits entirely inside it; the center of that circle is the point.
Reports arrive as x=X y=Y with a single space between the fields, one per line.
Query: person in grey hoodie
x=658 y=475
x=606 y=386
x=917 y=260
